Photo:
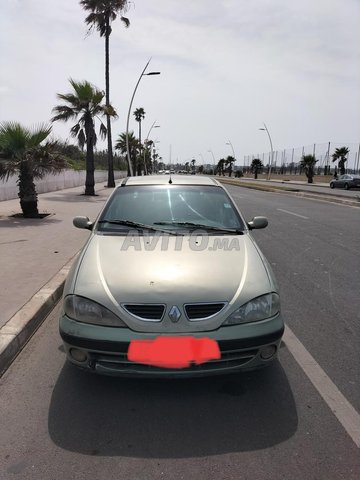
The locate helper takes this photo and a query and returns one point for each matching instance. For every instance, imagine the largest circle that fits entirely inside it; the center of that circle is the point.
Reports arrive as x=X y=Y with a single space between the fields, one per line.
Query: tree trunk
x=90 y=179
x=310 y=175
x=342 y=166
x=27 y=192
x=111 y=180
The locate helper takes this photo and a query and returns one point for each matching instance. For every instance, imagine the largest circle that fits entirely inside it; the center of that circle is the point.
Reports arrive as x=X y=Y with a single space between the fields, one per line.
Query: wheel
x=347 y=186
x=332 y=185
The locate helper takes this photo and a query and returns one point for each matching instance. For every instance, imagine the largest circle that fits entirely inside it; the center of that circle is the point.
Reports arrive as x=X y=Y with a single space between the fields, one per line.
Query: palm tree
x=256 y=166
x=220 y=167
x=229 y=163
x=308 y=164
x=102 y=14
x=84 y=105
x=22 y=152
x=133 y=147
x=139 y=116
x=193 y=161
x=341 y=155
x=148 y=144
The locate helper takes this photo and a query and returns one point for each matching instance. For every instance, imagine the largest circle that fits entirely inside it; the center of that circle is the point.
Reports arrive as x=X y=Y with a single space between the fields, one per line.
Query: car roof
x=165 y=179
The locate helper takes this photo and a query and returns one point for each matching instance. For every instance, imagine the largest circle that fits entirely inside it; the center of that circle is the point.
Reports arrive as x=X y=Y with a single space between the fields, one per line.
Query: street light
x=152 y=126
x=210 y=151
x=272 y=150
x=146 y=141
x=232 y=148
x=128 y=117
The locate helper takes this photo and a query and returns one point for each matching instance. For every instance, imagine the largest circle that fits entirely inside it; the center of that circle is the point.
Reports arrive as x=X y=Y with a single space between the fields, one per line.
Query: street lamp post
x=146 y=141
x=271 y=147
x=232 y=148
x=233 y=151
x=210 y=151
x=128 y=117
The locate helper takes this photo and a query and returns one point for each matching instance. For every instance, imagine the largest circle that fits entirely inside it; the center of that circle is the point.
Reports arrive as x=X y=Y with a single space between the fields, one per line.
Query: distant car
x=346 y=181
x=170 y=283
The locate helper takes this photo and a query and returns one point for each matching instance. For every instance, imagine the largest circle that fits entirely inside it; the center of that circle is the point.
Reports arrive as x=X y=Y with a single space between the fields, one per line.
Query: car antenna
x=170 y=181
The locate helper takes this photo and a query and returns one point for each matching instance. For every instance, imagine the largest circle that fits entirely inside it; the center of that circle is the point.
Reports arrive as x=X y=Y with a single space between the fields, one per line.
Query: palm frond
x=125 y=21
x=81 y=138
x=109 y=110
x=38 y=134
x=64 y=113
x=103 y=10
x=8 y=168
x=74 y=131
x=103 y=131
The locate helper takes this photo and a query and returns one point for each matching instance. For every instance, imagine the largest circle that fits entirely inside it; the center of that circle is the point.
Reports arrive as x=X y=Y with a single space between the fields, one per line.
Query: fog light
x=268 y=352
x=78 y=355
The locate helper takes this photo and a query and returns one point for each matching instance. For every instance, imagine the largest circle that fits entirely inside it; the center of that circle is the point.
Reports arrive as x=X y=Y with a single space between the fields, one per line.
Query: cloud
x=226 y=66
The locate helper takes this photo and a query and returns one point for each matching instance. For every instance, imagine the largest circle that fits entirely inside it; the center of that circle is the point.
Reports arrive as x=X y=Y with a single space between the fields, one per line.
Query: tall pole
x=232 y=148
x=212 y=153
x=272 y=150
x=128 y=116
x=233 y=151
x=145 y=142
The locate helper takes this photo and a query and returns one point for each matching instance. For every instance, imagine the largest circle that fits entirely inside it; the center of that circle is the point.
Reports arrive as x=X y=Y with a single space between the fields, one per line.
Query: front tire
x=332 y=185
x=347 y=186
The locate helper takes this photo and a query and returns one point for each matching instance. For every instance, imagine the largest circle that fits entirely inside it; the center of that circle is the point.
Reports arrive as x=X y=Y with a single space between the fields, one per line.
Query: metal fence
x=51 y=183
x=288 y=160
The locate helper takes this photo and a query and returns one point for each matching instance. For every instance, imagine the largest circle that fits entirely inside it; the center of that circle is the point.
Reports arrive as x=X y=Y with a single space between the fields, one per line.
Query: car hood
x=174 y=271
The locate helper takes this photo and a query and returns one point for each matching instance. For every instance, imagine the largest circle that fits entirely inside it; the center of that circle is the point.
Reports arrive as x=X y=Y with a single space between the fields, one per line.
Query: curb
x=297 y=192
x=19 y=329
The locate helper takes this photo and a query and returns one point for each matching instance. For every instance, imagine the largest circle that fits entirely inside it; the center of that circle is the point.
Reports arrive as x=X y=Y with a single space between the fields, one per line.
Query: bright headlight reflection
x=258 y=309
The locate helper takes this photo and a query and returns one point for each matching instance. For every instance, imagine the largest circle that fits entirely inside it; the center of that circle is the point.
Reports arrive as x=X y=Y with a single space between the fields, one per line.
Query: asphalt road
x=314 y=250
x=57 y=422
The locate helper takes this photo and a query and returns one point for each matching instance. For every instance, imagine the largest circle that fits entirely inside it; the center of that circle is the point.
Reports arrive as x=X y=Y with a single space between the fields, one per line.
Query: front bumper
x=104 y=349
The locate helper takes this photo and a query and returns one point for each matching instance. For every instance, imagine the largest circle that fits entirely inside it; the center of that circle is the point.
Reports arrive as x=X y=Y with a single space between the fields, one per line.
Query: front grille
x=147 y=312
x=230 y=359
x=202 y=311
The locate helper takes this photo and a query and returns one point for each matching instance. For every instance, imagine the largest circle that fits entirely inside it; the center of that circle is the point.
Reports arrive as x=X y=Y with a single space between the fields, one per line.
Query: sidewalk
x=35 y=255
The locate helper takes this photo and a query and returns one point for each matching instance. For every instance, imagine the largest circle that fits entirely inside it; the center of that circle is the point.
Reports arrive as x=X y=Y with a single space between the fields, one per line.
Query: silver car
x=346 y=181
x=170 y=283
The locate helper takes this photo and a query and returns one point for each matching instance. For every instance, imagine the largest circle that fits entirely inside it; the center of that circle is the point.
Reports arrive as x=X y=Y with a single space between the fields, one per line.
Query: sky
x=227 y=67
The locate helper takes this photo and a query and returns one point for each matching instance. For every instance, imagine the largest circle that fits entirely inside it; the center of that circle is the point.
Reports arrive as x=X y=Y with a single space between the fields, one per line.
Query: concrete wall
x=51 y=183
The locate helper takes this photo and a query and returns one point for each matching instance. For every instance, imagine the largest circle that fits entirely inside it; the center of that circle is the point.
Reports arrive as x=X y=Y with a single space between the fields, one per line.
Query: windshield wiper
x=140 y=226
x=201 y=225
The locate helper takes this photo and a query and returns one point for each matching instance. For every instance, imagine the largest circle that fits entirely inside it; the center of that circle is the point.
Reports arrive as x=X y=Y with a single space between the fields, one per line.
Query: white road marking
x=292 y=213
x=339 y=405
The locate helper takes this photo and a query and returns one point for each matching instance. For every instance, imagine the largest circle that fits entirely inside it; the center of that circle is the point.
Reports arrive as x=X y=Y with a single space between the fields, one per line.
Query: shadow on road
x=107 y=416
x=77 y=198
x=16 y=222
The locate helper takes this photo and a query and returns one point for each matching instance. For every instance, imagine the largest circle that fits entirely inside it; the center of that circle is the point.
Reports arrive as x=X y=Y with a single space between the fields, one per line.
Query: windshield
x=171 y=208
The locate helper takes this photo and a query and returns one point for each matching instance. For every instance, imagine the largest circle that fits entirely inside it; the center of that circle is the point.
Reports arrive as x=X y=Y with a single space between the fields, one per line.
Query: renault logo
x=174 y=314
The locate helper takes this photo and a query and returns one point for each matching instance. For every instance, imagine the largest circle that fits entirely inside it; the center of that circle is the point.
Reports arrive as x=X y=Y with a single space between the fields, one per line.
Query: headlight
x=87 y=311
x=257 y=309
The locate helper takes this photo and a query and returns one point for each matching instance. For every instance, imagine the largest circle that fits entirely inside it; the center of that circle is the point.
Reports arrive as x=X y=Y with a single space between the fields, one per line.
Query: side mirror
x=257 y=222
x=82 y=222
